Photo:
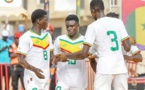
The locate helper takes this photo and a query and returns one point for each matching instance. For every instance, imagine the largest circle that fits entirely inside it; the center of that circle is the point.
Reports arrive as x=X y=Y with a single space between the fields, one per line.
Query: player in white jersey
x=34 y=50
x=132 y=56
x=108 y=34
x=134 y=53
x=71 y=75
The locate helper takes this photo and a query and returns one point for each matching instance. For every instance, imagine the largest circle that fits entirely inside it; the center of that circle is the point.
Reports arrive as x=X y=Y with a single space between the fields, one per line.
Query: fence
x=4 y=72
x=5 y=78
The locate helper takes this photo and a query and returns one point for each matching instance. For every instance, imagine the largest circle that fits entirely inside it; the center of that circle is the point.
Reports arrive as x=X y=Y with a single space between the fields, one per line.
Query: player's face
x=72 y=27
x=43 y=22
x=95 y=13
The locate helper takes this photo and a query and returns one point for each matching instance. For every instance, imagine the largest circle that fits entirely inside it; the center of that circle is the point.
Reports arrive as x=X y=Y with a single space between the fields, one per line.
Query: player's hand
x=133 y=73
x=62 y=57
x=55 y=61
x=92 y=57
x=38 y=73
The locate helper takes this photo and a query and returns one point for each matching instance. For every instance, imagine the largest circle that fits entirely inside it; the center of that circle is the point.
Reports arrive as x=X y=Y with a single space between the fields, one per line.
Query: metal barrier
x=4 y=76
x=5 y=80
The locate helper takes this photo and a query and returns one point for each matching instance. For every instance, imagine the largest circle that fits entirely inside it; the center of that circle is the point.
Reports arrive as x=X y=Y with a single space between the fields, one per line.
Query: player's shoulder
x=109 y=19
x=94 y=24
x=26 y=35
x=82 y=36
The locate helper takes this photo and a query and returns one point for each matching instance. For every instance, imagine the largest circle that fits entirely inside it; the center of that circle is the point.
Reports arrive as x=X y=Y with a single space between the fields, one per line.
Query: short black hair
x=97 y=3
x=38 y=14
x=72 y=17
x=112 y=14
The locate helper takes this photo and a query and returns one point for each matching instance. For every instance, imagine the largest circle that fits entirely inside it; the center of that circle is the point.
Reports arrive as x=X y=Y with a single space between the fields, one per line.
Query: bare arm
x=126 y=44
x=135 y=58
x=88 y=41
x=26 y=65
x=79 y=55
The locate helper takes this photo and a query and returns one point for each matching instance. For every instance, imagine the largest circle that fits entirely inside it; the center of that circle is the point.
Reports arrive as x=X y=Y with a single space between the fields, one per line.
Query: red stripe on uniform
x=64 y=50
x=41 y=46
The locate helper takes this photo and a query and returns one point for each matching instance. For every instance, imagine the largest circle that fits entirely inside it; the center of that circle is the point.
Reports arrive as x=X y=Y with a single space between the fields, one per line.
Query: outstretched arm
x=75 y=56
x=88 y=42
x=135 y=58
x=79 y=55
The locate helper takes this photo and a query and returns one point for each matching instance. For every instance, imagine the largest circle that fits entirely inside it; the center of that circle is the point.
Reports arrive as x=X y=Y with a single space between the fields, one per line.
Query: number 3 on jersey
x=114 y=40
x=45 y=55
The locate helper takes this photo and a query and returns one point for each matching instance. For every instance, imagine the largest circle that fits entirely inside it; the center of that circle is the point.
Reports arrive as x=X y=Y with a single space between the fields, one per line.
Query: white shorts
x=61 y=86
x=106 y=81
x=31 y=84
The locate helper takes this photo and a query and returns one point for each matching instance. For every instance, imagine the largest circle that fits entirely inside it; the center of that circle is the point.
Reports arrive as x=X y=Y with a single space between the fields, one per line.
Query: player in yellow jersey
x=72 y=74
x=34 y=49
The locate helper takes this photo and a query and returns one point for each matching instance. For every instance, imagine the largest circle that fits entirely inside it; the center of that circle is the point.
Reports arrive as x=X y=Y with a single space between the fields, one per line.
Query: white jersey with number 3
x=107 y=34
